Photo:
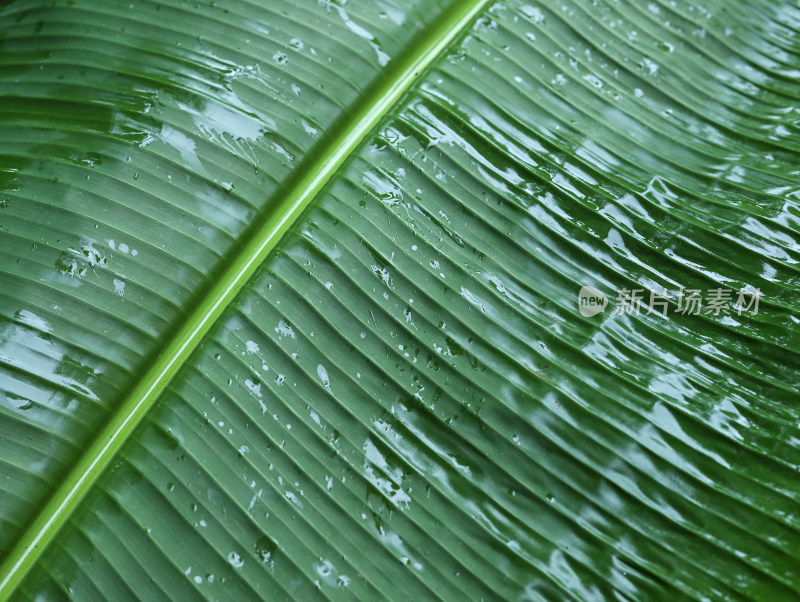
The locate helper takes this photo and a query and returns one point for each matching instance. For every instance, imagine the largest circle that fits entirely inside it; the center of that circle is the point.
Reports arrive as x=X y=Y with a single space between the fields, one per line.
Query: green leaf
x=290 y=300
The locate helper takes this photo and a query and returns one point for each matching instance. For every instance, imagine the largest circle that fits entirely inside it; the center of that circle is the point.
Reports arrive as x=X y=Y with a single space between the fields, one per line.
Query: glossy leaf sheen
x=337 y=248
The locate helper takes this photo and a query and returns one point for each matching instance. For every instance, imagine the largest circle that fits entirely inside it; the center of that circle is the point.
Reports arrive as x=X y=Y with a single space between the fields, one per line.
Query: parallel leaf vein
x=370 y=109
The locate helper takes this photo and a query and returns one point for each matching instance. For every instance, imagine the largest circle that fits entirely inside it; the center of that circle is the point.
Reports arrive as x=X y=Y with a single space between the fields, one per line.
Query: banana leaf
x=399 y=300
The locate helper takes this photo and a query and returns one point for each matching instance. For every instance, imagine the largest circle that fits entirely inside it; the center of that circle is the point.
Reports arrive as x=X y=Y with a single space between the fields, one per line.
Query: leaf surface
x=305 y=279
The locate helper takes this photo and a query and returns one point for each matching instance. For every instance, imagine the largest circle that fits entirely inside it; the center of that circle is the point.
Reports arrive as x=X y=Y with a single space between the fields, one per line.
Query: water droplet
x=119 y=287
x=323 y=376
x=264 y=549
x=235 y=560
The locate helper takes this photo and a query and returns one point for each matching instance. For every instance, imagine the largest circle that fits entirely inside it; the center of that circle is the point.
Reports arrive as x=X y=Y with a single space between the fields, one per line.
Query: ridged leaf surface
x=289 y=300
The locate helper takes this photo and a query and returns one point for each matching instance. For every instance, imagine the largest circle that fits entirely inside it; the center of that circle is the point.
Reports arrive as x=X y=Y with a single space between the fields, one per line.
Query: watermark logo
x=591 y=301
x=691 y=302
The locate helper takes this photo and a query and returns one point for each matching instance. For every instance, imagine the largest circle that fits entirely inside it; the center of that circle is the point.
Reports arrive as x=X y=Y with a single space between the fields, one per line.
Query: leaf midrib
x=367 y=113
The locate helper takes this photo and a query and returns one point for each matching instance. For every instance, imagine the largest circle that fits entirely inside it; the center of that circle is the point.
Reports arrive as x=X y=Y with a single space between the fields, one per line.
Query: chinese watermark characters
x=687 y=302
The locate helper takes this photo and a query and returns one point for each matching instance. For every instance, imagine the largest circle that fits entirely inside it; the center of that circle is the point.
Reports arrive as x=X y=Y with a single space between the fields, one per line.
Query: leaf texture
x=177 y=148
x=403 y=402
